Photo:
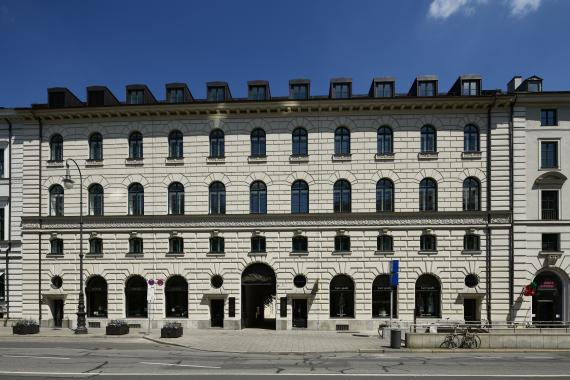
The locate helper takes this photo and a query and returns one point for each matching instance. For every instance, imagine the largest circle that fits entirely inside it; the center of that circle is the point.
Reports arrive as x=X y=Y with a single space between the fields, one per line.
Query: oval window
x=300 y=281
x=217 y=281
x=471 y=280
x=56 y=282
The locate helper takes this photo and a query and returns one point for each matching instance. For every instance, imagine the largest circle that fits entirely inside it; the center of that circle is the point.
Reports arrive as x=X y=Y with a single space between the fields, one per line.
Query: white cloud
x=522 y=7
x=442 y=9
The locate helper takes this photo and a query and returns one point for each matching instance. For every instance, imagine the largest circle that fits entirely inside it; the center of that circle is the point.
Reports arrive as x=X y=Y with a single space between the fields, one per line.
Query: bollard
x=396 y=339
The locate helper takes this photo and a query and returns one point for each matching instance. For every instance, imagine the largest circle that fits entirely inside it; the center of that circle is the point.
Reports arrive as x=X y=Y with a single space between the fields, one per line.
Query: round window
x=471 y=280
x=56 y=282
x=300 y=281
x=217 y=281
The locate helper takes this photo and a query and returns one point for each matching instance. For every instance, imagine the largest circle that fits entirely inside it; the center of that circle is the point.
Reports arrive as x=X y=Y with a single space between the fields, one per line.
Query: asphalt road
x=134 y=358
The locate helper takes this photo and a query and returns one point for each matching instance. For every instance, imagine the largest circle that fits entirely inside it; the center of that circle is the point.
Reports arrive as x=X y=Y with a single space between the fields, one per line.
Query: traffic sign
x=394 y=266
x=394 y=279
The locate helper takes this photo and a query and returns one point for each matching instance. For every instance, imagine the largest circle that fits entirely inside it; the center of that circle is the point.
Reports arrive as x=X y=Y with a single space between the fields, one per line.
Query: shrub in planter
x=171 y=330
x=25 y=326
x=117 y=327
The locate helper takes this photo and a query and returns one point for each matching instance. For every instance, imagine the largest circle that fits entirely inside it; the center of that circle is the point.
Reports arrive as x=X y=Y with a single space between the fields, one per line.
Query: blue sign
x=394 y=266
x=394 y=279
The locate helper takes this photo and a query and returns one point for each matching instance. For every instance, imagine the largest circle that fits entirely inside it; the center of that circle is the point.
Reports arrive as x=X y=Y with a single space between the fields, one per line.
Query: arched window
x=96 y=293
x=136 y=146
x=471 y=194
x=471 y=138
x=342 y=141
x=176 y=297
x=428 y=297
x=342 y=297
x=384 y=195
x=342 y=197
x=96 y=147
x=299 y=197
x=300 y=142
x=56 y=200
x=258 y=198
x=136 y=199
x=56 y=148
x=381 y=289
x=217 y=143
x=175 y=145
x=385 y=140
x=217 y=198
x=429 y=139
x=95 y=199
x=428 y=195
x=135 y=297
x=258 y=143
x=176 y=199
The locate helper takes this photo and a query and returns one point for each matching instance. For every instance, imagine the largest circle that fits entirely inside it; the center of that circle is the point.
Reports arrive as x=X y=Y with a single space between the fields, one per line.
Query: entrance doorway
x=470 y=310
x=217 y=313
x=547 y=303
x=300 y=313
x=258 y=290
x=57 y=313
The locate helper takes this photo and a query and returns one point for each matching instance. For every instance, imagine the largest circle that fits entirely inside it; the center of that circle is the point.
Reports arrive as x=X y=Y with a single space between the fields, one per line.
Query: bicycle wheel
x=477 y=341
x=469 y=343
x=448 y=343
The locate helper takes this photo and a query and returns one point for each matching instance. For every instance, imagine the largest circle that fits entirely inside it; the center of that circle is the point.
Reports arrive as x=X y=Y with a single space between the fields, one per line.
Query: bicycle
x=451 y=340
x=470 y=340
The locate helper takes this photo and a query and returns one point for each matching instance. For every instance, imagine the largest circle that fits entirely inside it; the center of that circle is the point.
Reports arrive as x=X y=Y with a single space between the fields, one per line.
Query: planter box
x=171 y=332
x=25 y=330
x=117 y=330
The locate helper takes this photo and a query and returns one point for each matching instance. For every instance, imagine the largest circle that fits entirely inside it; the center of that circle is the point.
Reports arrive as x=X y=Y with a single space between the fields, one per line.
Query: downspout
x=40 y=137
x=511 y=211
x=9 y=235
x=487 y=228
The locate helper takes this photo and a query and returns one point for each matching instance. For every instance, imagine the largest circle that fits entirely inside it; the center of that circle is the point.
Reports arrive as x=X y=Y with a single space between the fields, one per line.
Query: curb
x=360 y=351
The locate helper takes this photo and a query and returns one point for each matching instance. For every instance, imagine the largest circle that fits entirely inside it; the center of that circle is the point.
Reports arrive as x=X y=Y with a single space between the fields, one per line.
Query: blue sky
x=79 y=43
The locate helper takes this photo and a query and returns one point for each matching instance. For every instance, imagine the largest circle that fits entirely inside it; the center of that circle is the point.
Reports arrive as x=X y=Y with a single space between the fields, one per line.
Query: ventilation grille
x=341 y=327
x=134 y=325
x=94 y=325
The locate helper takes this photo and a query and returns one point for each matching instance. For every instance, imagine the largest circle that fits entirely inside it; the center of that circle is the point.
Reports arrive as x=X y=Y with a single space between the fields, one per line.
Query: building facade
x=279 y=212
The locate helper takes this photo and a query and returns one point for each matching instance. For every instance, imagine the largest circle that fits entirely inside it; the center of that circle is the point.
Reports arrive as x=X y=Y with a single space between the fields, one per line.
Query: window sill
x=174 y=161
x=383 y=252
x=215 y=160
x=93 y=163
x=384 y=156
x=550 y=253
x=251 y=253
x=54 y=164
x=299 y=253
x=428 y=155
x=546 y=169
x=134 y=161
x=299 y=158
x=471 y=155
x=342 y=253
x=257 y=159
x=427 y=252
x=471 y=252
x=342 y=157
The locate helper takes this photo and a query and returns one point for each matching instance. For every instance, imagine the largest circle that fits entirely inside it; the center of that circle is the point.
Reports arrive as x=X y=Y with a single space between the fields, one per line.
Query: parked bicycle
x=465 y=339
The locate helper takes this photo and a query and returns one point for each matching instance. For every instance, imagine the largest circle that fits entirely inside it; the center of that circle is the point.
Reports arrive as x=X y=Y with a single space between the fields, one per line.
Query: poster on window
x=269 y=308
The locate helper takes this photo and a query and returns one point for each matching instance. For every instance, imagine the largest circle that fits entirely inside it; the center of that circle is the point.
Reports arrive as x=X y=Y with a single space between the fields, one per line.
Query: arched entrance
x=176 y=297
x=96 y=292
x=548 y=304
x=258 y=289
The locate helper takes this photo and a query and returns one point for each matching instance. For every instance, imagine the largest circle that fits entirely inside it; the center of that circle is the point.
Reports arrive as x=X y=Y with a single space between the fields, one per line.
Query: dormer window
x=258 y=92
x=216 y=94
x=426 y=88
x=135 y=97
x=56 y=99
x=96 y=98
x=341 y=90
x=384 y=90
x=299 y=91
x=534 y=86
x=470 y=88
x=175 y=95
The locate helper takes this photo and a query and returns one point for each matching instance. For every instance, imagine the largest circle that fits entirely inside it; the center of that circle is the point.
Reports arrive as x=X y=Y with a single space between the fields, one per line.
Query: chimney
x=514 y=84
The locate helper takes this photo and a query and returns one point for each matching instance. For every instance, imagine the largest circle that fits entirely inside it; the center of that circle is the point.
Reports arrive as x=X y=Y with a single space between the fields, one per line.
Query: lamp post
x=68 y=184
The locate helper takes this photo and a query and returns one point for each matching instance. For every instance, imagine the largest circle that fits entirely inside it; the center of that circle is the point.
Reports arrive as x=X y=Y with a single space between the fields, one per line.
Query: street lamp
x=68 y=184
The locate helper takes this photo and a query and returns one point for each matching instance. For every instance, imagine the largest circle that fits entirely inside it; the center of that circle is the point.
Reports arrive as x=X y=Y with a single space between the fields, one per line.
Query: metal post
x=391 y=303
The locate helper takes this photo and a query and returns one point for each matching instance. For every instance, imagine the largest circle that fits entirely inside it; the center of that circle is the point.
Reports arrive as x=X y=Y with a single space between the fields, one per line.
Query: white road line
x=36 y=357
x=181 y=365
x=537 y=357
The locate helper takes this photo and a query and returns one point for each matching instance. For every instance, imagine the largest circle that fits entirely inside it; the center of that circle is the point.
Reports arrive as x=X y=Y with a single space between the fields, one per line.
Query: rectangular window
x=548 y=117
x=300 y=244
x=258 y=93
x=258 y=244
x=96 y=246
x=56 y=247
x=299 y=91
x=385 y=243
x=231 y=307
x=96 y=98
x=217 y=244
x=341 y=90
x=216 y=94
x=471 y=243
x=136 y=245
x=548 y=154
x=136 y=97
x=428 y=243
x=470 y=88
x=384 y=90
x=551 y=242
x=2 y=223
x=534 y=86
x=283 y=307
x=2 y=172
x=342 y=243
x=426 y=88
x=549 y=204
x=176 y=245
x=175 y=95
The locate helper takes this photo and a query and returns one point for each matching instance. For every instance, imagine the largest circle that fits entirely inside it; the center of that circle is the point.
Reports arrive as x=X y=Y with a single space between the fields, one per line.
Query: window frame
x=137 y=197
x=56 y=246
x=342 y=243
x=557 y=151
x=258 y=141
x=56 y=148
x=428 y=139
x=555 y=242
x=558 y=210
x=384 y=140
x=258 y=244
x=176 y=245
x=56 y=201
x=339 y=195
x=381 y=200
x=219 y=195
x=135 y=242
x=468 y=139
x=423 y=88
x=303 y=241
x=545 y=120
x=425 y=239
x=468 y=194
x=97 y=243
x=300 y=142
x=342 y=141
x=136 y=146
x=176 y=198
x=475 y=238
x=96 y=147
x=384 y=243
x=217 y=143
x=175 y=145
x=91 y=206
x=424 y=198
x=258 y=198
x=300 y=197
x=217 y=242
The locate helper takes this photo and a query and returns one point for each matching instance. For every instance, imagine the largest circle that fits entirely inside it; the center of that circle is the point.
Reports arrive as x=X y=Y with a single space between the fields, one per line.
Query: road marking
x=36 y=357
x=181 y=365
